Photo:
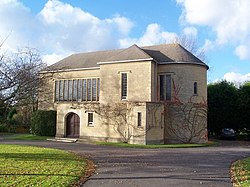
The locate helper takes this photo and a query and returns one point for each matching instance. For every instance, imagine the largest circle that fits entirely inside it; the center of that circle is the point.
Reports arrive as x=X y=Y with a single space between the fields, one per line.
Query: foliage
x=244 y=106
x=43 y=123
x=33 y=166
x=3 y=111
x=240 y=172
x=19 y=83
x=4 y=128
x=11 y=113
x=222 y=106
x=229 y=107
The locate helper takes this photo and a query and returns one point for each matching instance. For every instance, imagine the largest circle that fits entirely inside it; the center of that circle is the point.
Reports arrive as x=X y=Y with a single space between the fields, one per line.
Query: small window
x=195 y=88
x=90 y=119
x=124 y=86
x=139 y=119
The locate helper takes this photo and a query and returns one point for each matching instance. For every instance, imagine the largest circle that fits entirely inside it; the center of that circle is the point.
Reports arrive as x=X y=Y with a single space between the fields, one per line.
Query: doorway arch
x=72 y=126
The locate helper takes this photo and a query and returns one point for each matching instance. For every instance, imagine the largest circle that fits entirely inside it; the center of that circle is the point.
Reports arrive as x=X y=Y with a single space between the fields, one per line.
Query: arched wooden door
x=73 y=126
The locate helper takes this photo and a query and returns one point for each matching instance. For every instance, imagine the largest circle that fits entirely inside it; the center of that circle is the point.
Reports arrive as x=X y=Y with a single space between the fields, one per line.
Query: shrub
x=43 y=123
x=4 y=128
x=11 y=113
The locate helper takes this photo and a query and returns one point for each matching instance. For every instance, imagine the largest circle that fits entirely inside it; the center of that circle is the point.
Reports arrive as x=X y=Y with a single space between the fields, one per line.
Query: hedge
x=43 y=123
x=4 y=128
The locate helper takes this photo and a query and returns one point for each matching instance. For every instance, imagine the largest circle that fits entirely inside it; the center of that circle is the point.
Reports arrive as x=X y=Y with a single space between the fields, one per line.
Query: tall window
x=93 y=89
x=66 y=91
x=90 y=119
x=84 y=90
x=57 y=90
x=61 y=90
x=139 y=119
x=77 y=90
x=124 y=84
x=195 y=88
x=165 y=87
x=89 y=90
x=74 y=90
x=98 y=89
x=70 y=89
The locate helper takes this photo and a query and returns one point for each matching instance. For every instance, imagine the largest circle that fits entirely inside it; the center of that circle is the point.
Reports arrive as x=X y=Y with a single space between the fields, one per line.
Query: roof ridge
x=141 y=50
x=162 y=44
x=79 y=53
x=123 y=51
x=173 y=52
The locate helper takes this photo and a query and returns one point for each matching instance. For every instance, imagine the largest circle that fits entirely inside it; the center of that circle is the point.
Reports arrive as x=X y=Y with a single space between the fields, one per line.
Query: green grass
x=155 y=146
x=27 y=137
x=240 y=171
x=33 y=166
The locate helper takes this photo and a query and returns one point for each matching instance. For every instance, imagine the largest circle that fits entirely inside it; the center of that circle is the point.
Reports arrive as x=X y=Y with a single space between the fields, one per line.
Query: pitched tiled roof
x=132 y=53
x=171 y=53
x=165 y=53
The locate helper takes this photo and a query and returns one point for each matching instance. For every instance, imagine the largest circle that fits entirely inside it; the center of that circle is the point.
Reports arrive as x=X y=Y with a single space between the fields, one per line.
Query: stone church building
x=128 y=95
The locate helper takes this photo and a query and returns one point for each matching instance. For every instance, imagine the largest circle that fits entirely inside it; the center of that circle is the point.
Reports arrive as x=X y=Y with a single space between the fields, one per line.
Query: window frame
x=195 y=88
x=56 y=92
x=66 y=90
x=77 y=90
x=90 y=119
x=165 y=87
x=124 y=86
x=139 y=119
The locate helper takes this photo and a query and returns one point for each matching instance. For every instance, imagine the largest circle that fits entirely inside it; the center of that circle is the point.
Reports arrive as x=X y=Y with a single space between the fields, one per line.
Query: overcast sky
x=60 y=28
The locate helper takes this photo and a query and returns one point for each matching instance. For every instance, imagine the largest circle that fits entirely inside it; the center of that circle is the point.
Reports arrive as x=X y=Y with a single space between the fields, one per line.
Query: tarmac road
x=179 y=167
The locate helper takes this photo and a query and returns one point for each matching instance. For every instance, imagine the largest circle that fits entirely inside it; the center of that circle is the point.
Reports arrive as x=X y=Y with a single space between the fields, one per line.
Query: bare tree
x=191 y=44
x=185 y=122
x=120 y=117
x=19 y=84
x=19 y=79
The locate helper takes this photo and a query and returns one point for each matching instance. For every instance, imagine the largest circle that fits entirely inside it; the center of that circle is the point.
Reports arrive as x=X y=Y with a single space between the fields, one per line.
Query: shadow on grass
x=37 y=156
x=37 y=174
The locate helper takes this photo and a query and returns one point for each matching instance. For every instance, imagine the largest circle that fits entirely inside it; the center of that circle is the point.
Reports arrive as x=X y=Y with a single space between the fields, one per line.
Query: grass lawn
x=33 y=166
x=155 y=146
x=240 y=171
x=27 y=137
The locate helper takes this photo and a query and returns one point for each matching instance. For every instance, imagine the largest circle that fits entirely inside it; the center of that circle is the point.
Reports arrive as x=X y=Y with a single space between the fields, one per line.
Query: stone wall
x=143 y=93
x=183 y=119
x=183 y=78
x=139 y=81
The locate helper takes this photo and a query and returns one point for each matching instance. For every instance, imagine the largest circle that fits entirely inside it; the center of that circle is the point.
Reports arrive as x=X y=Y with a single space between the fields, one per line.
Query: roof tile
x=164 y=53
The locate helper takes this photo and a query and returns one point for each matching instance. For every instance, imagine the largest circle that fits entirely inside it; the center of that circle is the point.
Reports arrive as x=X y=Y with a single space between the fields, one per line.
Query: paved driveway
x=188 y=167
